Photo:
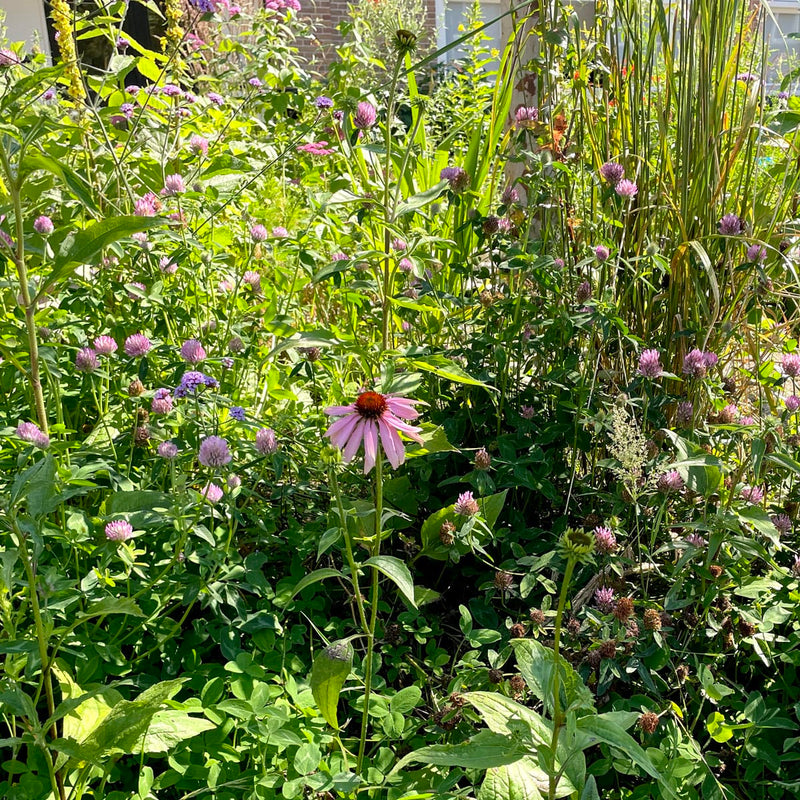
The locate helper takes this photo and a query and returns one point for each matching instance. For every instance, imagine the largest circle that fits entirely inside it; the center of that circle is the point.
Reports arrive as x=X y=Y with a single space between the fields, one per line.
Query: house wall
x=25 y=21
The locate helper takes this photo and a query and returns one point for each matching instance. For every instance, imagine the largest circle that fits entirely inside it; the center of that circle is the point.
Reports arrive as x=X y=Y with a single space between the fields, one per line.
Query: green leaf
x=434 y=441
x=406 y=699
x=314 y=577
x=40 y=493
x=328 y=674
x=85 y=246
x=307 y=339
x=171 y=727
x=483 y=751
x=77 y=185
x=600 y=728
x=422 y=199
x=112 y=605
x=307 y=758
x=522 y=780
x=536 y=663
x=447 y=369
x=397 y=572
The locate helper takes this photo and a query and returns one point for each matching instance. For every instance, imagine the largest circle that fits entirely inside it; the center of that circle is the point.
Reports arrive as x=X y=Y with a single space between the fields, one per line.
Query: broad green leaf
x=422 y=199
x=536 y=665
x=483 y=751
x=599 y=727
x=447 y=369
x=171 y=727
x=113 y=605
x=307 y=339
x=406 y=699
x=86 y=245
x=523 y=780
x=434 y=441
x=307 y=758
x=397 y=572
x=40 y=494
x=328 y=674
x=314 y=577
x=77 y=185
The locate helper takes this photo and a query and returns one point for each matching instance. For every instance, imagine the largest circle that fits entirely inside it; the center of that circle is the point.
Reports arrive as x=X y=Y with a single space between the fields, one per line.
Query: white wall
x=24 y=18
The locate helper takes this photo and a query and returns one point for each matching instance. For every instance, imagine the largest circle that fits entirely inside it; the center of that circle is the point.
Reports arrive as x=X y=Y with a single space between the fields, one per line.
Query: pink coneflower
x=86 y=360
x=752 y=494
x=365 y=117
x=466 y=505
x=30 y=432
x=119 y=530
x=650 y=364
x=266 y=441
x=162 y=402
x=43 y=225
x=791 y=364
x=198 y=145
x=214 y=452
x=604 y=540
x=104 y=346
x=192 y=351
x=147 y=205
x=373 y=417
x=604 y=599
x=670 y=482
x=626 y=188
x=168 y=450
x=137 y=345
x=612 y=172
x=212 y=493
x=173 y=185
x=792 y=403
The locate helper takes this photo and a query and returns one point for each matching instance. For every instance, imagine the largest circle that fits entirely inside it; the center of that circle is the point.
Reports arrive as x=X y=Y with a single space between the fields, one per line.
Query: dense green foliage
x=576 y=575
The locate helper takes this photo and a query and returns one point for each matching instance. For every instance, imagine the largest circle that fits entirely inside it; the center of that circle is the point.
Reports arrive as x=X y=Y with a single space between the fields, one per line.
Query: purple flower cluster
x=366 y=115
x=697 y=362
x=612 y=172
x=266 y=441
x=466 y=505
x=162 y=402
x=119 y=530
x=214 y=452
x=457 y=177
x=650 y=364
x=730 y=225
x=604 y=540
x=604 y=599
x=30 y=432
x=192 y=351
x=670 y=482
x=192 y=381
x=791 y=364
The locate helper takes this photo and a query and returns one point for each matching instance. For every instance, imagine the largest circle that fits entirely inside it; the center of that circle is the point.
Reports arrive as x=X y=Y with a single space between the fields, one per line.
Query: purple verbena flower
x=237 y=413
x=323 y=102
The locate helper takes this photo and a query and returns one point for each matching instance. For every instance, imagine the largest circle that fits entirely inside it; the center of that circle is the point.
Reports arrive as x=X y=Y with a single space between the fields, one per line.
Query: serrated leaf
x=329 y=672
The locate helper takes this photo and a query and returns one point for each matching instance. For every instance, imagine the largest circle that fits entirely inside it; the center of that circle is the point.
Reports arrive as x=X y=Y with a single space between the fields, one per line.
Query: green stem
x=558 y=720
x=376 y=549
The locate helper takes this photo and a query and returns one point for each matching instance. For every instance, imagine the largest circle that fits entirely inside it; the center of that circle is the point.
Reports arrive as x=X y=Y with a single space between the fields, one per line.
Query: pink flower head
x=670 y=482
x=466 y=505
x=279 y=232
x=258 y=233
x=104 y=346
x=315 y=148
x=168 y=450
x=650 y=364
x=612 y=172
x=626 y=188
x=756 y=253
x=365 y=117
x=791 y=364
x=137 y=345
x=266 y=441
x=162 y=402
x=696 y=363
x=604 y=539
x=166 y=266
x=173 y=184
x=252 y=279
x=371 y=419
x=214 y=452
x=86 y=360
x=43 y=225
x=696 y=540
x=198 y=145
x=30 y=432
x=212 y=493
x=527 y=412
x=730 y=225
x=782 y=523
x=119 y=530
x=147 y=206
x=8 y=57
x=601 y=252
x=792 y=403
x=526 y=115
x=684 y=413
x=752 y=494
x=604 y=599
x=192 y=351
